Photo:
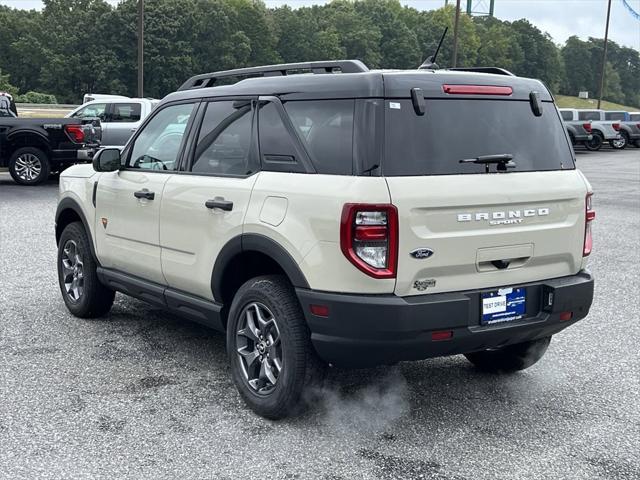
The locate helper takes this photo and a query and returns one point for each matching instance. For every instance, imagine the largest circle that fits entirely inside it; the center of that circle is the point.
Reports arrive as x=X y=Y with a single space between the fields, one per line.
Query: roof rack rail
x=209 y=79
x=495 y=70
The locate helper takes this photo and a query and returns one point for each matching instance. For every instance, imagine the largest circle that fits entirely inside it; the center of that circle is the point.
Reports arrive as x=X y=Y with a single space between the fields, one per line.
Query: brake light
x=587 y=127
x=75 y=133
x=616 y=126
x=369 y=238
x=638 y=125
x=590 y=215
x=477 y=90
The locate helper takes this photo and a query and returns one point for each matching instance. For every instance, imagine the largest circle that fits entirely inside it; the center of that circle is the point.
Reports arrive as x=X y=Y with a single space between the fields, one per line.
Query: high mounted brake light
x=590 y=215
x=75 y=133
x=369 y=238
x=477 y=90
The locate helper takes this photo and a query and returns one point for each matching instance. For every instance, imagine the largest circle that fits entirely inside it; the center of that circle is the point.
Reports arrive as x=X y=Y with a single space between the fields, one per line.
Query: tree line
x=71 y=47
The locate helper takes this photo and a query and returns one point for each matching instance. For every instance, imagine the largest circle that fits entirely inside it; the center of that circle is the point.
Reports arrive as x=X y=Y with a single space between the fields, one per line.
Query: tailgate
x=487 y=230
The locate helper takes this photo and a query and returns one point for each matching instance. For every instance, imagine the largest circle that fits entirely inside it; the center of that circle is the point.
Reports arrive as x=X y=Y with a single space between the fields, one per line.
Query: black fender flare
x=38 y=132
x=71 y=204
x=255 y=242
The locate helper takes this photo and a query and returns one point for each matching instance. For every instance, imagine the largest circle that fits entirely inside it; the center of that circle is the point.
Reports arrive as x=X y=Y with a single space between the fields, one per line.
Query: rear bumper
x=366 y=330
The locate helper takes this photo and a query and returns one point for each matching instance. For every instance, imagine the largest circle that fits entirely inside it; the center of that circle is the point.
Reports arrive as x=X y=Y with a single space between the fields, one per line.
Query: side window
x=91 y=111
x=224 y=142
x=158 y=145
x=567 y=116
x=277 y=148
x=327 y=128
x=125 y=112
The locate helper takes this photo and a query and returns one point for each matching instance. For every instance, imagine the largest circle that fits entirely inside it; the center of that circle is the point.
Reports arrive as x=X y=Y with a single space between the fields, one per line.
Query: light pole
x=454 y=60
x=604 y=55
x=140 y=48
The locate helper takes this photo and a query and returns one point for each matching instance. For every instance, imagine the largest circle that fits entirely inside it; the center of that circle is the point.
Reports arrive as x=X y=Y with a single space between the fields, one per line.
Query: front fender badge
x=104 y=222
x=421 y=253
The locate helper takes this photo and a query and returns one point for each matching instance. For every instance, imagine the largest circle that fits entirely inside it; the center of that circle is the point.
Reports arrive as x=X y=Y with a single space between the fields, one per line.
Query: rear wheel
x=269 y=347
x=621 y=143
x=595 y=143
x=81 y=289
x=29 y=166
x=510 y=358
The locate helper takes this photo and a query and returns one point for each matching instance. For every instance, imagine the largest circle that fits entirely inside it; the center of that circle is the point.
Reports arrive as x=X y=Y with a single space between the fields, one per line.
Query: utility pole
x=140 y=48
x=454 y=60
x=604 y=55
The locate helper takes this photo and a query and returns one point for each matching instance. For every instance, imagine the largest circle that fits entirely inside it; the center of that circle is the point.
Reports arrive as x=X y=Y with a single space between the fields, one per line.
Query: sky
x=559 y=18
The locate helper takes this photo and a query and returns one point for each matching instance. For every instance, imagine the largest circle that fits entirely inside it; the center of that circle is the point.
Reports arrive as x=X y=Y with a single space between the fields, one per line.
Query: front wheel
x=595 y=143
x=269 y=347
x=81 y=289
x=510 y=358
x=621 y=143
x=29 y=166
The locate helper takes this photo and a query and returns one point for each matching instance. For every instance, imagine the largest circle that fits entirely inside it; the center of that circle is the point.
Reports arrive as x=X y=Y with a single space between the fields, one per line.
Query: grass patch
x=564 y=101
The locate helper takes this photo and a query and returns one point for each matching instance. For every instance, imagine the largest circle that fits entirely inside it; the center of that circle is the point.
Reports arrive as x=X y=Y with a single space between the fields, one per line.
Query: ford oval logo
x=421 y=253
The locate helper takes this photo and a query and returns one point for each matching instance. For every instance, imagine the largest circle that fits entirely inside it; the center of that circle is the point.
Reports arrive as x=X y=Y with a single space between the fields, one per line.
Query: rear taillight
x=75 y=132
x=587 y=127
x=590 y=215
x=616 y=126
x=369 y=238
x=638 y=125
x=477 y=90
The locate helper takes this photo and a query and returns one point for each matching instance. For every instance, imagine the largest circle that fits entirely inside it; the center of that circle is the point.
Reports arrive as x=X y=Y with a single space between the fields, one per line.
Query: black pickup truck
x=34 y=148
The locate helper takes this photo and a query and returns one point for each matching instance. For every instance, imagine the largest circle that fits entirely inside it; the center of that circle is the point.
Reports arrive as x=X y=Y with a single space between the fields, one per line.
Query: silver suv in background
x=119 y=117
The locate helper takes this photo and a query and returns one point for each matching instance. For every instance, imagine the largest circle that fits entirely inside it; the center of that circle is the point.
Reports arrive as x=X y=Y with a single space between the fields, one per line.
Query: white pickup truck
x=120 y=117
x=602 y=130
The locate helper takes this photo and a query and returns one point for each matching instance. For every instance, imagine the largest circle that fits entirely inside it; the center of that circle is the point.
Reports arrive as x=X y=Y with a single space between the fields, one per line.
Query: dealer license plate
x=503 y=305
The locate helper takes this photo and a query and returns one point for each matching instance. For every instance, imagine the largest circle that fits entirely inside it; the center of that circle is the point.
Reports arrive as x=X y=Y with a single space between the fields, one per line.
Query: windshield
x=454 y=130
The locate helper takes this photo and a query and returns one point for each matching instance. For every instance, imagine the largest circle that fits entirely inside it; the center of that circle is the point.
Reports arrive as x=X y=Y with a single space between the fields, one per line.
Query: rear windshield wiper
x=502 y=160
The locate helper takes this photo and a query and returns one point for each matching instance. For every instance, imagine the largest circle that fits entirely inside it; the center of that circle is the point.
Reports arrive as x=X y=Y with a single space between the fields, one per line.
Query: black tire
x=300 y=366
x=94 y=300
x=622 y=143
x=595 y=143
x=24 y=163
x=510 y=358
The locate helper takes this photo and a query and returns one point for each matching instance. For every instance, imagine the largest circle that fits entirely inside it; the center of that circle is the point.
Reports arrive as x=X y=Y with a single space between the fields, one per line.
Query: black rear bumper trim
x=366 y=330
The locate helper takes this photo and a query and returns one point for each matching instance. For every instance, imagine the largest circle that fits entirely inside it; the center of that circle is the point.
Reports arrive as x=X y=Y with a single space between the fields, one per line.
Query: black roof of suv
x=351 y=79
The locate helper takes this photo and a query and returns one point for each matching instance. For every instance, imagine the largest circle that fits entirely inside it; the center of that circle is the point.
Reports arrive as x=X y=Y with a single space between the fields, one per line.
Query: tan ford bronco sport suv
x=324 y=214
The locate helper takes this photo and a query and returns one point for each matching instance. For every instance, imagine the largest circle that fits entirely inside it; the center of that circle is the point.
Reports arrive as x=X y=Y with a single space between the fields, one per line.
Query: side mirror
x=107 y=160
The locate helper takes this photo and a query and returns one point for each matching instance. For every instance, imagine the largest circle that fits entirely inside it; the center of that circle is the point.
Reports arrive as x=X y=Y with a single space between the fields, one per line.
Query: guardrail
x=45 y=106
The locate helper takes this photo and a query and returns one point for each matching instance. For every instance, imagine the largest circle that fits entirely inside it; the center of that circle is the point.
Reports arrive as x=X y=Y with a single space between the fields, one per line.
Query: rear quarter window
x=326 y=128
x=455 y=129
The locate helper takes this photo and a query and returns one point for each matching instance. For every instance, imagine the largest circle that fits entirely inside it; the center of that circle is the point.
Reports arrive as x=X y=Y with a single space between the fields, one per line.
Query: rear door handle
x=220 y=203
x=144 y=194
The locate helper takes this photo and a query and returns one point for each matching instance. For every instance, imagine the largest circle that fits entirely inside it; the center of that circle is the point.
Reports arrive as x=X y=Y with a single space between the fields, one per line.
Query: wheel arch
x=69 y=211
x=28 y=138
x=246 y=256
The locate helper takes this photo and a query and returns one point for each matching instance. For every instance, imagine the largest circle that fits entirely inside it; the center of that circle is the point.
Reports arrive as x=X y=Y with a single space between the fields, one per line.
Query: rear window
x=634 y=117
x=453 y=130
x=588 y=115
x=568 y=116
x=614 y=116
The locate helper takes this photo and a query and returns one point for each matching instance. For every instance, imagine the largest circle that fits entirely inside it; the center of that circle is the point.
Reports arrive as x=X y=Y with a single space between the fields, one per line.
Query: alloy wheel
x=259 y=347
x=72 y=271
x=28 y=167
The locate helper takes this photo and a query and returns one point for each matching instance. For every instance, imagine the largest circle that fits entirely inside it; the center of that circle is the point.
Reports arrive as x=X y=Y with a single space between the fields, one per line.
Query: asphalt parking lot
x=141 y=394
